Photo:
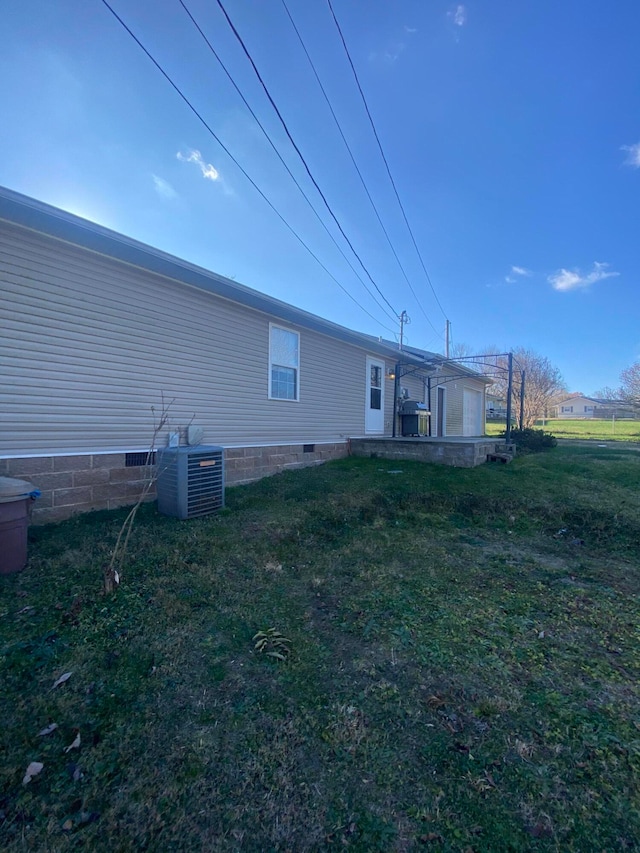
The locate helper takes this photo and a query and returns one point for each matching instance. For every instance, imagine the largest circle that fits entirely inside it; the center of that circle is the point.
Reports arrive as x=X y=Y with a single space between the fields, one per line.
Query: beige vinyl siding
x=388 y=398
x=578 y=405
x=454 y=400
x=414 y=383
x=454 y=408
x=89 y=344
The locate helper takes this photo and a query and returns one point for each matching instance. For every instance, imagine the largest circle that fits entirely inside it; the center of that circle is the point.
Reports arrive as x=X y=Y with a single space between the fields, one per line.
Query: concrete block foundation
x=82 y=483
x=457 y=451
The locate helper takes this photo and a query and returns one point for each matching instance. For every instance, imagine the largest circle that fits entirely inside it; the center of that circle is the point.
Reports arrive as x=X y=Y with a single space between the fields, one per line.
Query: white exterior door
x=374 y=404
x=471 y=412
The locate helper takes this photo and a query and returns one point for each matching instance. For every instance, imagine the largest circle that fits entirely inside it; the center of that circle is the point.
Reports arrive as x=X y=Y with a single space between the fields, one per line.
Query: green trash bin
x=15 y=498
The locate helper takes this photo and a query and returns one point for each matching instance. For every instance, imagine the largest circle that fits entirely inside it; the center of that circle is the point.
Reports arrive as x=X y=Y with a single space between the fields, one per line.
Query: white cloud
x=573 y=279
x=163 y=188
x=516 y=272
x=410 y=29
x=633 y=155
x=208 y=171
x=393 y=52
x=390 y=54
x=458 y=15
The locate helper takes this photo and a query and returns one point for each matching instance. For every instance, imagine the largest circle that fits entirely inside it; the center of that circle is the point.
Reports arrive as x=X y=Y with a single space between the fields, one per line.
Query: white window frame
x=295 y=399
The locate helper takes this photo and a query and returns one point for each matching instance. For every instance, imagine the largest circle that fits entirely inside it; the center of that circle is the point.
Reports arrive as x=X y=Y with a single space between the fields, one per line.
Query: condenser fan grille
x=190 y=480
x=205 y=486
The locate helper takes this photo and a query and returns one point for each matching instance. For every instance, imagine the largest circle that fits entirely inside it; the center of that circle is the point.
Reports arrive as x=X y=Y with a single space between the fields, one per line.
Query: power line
x=299 y=153
x=355 y=164
x=375 y=133
x=233 y=159
x=282 y=160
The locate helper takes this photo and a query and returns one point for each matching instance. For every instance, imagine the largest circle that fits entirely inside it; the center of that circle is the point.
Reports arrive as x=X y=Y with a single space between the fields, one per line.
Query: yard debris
x=431 y=836
x=47 y=730
x=62 y=679
x=74 y=745
x=541 y=829
x=32 y=770
x=74 y=772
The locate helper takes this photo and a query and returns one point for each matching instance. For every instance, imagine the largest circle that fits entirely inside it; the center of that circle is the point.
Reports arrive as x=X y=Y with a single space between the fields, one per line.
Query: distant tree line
x=543 y=381
x=629 y=390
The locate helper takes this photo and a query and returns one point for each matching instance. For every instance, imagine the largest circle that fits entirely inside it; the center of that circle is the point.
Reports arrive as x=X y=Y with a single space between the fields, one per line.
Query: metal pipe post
x=509 y=393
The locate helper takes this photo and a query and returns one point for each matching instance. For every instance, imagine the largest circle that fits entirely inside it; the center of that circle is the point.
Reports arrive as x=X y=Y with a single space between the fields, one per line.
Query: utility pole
x=522 y=387
x=404 y=321
x=447 y=335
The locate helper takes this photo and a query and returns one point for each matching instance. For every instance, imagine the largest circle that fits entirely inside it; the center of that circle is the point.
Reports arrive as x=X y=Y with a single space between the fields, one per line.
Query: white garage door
x=472 y=412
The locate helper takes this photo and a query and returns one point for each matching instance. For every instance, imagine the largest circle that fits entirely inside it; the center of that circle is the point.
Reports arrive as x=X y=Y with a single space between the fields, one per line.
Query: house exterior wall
x=415 y=383
x=577 y=407
x=91 y=344
x=80 y=483
x=454 y=401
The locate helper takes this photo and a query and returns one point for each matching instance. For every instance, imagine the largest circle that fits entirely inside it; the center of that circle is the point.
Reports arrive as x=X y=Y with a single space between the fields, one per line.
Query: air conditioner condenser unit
x=190 y=480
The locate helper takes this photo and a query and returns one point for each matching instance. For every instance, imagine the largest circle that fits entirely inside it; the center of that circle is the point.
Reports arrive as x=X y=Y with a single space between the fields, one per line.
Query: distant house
x=96 y=327
x=575 y=406
x=496 y=407
x=579 y=406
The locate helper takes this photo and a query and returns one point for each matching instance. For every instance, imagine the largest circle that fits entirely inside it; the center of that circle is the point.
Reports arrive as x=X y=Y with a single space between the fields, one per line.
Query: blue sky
x=512 y=129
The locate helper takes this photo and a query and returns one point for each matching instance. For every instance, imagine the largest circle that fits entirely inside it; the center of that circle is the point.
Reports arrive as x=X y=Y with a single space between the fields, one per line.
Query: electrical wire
x=355 y=165
x=299 y=153
x=282 y=160
x=393 y=183
x=241 y=168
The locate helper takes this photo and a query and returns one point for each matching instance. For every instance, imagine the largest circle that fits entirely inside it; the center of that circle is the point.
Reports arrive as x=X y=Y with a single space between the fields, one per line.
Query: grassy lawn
x=463 y=669
x=604 y=430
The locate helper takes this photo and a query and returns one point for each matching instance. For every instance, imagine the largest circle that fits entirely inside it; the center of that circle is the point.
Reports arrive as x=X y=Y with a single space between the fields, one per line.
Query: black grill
x=414 y=417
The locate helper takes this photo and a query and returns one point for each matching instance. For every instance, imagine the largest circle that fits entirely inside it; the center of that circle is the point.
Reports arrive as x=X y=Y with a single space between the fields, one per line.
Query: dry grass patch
x=460 y=675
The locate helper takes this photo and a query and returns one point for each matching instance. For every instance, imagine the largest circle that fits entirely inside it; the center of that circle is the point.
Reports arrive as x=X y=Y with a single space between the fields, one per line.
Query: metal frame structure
x=493 y=365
